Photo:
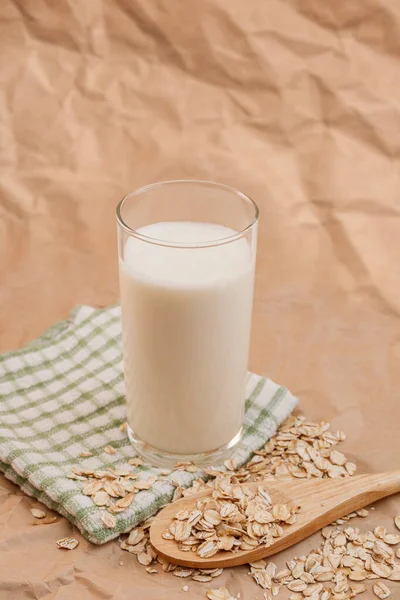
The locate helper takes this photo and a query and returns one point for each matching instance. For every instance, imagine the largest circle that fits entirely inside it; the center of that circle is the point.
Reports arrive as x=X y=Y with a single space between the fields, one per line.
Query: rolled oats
x=67 y=543
x=230 y=521
x=151 y=570
x=45 y=521
x=220 y=594
x=381 y=590
x=101 y=498
x=109 y=521
x=37 y=513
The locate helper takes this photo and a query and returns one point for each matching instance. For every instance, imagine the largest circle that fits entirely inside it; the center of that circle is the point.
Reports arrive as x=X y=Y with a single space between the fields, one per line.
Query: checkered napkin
x=63 y=394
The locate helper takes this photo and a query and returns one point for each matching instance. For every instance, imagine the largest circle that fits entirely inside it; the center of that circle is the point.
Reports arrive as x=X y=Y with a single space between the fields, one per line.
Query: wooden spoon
x=322 y=501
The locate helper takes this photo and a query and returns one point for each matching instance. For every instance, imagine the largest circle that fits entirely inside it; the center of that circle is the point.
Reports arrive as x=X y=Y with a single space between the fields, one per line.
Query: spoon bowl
x=322 y=501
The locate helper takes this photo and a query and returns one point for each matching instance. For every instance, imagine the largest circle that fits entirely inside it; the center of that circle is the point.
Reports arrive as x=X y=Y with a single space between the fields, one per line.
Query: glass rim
x=207 y=244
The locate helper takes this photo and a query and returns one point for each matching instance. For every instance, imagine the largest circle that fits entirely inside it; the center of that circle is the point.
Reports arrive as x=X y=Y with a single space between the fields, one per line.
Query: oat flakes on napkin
x=63 y=395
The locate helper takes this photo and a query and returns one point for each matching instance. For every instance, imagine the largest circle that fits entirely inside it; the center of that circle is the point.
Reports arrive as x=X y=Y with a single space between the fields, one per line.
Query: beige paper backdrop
x=296 y=103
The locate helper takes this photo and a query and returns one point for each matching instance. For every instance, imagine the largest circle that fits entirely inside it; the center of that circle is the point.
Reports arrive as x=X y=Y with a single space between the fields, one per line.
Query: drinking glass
x=187 y=253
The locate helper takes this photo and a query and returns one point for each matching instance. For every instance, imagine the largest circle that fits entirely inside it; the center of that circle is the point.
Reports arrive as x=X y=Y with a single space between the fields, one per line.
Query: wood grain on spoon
x=322 y=501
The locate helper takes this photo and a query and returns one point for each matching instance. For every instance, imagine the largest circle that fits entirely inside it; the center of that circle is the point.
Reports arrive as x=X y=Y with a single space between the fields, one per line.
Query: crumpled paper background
x=295 y=102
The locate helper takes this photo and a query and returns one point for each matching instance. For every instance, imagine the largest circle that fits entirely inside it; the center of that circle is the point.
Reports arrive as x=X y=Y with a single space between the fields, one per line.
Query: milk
x=186 y=315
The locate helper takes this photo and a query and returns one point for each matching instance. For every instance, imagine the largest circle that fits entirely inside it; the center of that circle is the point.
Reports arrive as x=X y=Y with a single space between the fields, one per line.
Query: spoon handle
x=353 y=493
x=380 y=484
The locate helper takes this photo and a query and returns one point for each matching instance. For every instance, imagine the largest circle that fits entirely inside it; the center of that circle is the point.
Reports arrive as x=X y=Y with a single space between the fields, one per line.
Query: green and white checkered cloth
x=63 y=394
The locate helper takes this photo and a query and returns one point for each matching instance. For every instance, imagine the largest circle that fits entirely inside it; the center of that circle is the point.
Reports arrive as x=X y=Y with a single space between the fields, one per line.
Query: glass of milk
x=187 y=253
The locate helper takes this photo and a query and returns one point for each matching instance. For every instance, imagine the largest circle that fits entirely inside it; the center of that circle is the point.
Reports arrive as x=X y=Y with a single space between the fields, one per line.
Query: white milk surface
x=186 y=316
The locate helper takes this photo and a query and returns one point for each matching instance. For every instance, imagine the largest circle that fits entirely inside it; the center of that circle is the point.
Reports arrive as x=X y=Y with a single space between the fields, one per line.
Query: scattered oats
x=45 y=521
x=101 y=498
x=220 y=594
x=115 y=509
x=335 y=471
x=349 y=561
x=395 y=574
x=338 y=458
x=323 y=574
x=108 y=520
x=175 y=479
x=144 y=484
x=136 y=536
x=213 y=572
x=380 y=569
x=275 y=590
x=37 y=513
x=136 y=549
x=397 y=522
x=392 y=539
x=381 y=590
x=122 y=487
x=339 y=540
x=259 y=564
x=398 y=553
x=358 y=575
x=109 y=450
x=232 y=520
x=262 y=578
x=282 y=574
x=121 y=563
x=123 y=427
x=380 y=532
x=334 y=560
x=300 y=449
x=230 y=464
x=358 y=588
x=77 y=477
x=165 y=471
x=182 y=572
x=297 y=569
x=67 y=543
x=326 y=532
x=201 y=578
x=178 y=493
x=145 y=558
x=85 y=454
x=185 y=588
x=311 y=562
x=313 y=589
x=108 y=487
x=136 y=462
x=91 y=487
x=271 y=569
x=126 y=501
x=191 y=469
x=297 y=586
